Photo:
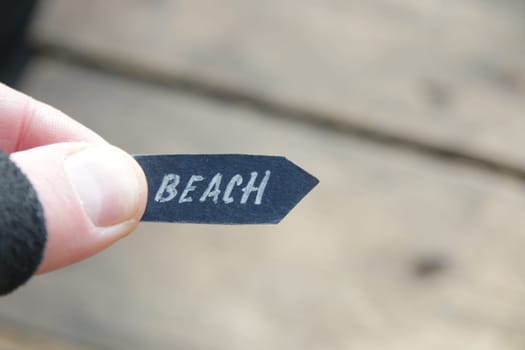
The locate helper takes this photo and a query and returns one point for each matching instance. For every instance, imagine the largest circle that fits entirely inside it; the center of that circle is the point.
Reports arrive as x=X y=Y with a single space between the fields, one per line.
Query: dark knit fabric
x=22 y=227
x=15 y=17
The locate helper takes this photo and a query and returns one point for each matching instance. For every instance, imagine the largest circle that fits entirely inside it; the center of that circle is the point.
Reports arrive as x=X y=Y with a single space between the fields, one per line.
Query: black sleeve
x=22 y=227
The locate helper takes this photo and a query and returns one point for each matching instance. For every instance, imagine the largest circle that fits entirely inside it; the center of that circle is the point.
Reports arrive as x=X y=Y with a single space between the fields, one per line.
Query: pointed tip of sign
x=312 y=180
x=304 y=184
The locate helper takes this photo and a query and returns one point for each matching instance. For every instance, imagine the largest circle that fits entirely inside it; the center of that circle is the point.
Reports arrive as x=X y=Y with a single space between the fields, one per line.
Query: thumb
x=92 y=196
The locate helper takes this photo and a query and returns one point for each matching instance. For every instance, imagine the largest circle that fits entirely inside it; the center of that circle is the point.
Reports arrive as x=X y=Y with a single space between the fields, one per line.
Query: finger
x=26 y=123
x=92 y=196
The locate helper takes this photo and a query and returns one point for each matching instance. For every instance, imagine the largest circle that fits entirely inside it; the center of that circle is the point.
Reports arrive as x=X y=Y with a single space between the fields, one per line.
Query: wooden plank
x=391 y=251
x=452 y=75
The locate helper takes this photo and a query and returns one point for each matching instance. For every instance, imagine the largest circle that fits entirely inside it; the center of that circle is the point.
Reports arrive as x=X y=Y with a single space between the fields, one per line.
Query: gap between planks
x=218 y=92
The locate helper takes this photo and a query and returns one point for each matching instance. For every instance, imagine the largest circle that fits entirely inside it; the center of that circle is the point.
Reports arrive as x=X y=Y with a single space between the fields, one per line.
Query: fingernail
x=108 y=182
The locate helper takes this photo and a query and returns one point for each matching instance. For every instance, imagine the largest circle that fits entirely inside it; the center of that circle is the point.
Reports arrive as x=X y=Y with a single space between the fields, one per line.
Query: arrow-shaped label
x=222 y=188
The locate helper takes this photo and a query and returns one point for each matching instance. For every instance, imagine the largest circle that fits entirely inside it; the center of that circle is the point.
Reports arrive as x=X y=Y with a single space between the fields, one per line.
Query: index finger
x=27 y=123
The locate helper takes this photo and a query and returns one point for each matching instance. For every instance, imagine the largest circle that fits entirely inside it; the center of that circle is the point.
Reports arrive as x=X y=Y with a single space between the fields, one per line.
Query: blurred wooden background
x=410 y=112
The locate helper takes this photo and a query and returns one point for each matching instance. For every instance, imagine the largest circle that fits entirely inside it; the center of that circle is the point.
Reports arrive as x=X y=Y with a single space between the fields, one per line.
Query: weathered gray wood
x=447 y=73
x=391 y=251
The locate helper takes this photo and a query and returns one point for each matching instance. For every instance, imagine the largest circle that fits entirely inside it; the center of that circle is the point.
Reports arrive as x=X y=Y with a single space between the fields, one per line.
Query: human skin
x=93 y=193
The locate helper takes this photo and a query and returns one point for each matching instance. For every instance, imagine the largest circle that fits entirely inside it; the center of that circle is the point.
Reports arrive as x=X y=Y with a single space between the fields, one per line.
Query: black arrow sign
x=222 y=188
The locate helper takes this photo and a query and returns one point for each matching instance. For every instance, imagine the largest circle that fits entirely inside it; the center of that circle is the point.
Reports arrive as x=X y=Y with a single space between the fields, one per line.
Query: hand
x=93 y=193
